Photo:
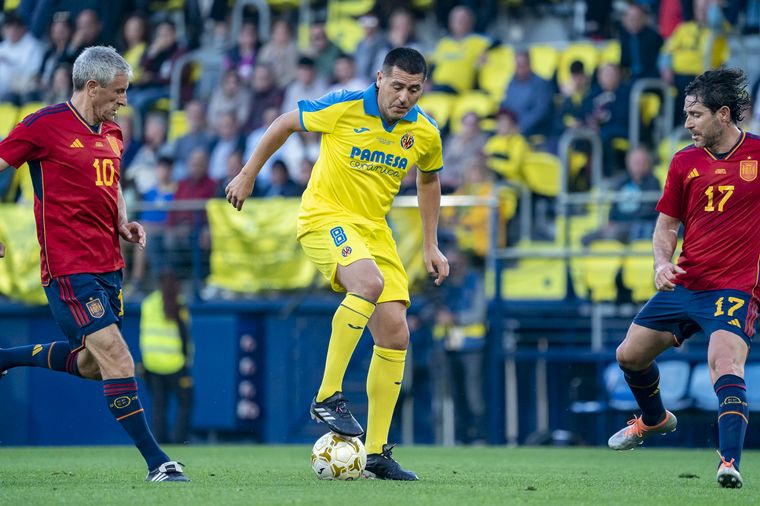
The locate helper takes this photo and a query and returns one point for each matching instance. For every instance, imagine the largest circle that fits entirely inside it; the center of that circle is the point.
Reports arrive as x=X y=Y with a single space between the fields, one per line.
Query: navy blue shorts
x=685 y=312
x=82 y=304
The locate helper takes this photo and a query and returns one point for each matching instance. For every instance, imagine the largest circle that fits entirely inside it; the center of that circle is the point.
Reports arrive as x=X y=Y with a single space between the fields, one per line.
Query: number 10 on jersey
x=104 y=172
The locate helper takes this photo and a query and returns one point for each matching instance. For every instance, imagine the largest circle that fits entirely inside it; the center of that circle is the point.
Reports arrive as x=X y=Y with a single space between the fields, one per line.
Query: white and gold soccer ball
x=336 y=457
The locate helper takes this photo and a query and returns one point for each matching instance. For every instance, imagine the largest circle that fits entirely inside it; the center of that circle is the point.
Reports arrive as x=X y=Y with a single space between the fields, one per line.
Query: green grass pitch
x=265 y=475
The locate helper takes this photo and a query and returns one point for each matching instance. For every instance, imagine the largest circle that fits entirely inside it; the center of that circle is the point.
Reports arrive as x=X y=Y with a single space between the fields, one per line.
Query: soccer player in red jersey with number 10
x=74 y=152
x=712 y=189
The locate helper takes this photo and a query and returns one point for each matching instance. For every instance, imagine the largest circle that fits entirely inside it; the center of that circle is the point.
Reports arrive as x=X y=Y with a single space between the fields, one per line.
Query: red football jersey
x=75 y=171
x=718 y=201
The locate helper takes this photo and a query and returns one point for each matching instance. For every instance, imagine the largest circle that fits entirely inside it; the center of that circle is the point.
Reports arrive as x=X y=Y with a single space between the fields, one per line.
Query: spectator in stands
x=459 y=150
x=141 y=172
x=154 y=220
x=307 y=86
x=459 y=333
x=344 y=75
x=266 y=95
x=188 y=230
x=60 y=88
x=293 y=152
x=683 y=56
x=401 y=32
x=134 y=43
x=229 y=98
x=484 y=11
x=281 y=53
x=157 y=65
x=228 y=139
x=130 y=145
x=234 y=164
x=531 y=98
x=506 y=150
x=322 y=51
x=242 y=57
x=20 y=59
x=197 y=136
x=571 y=113
x=166 y=353
x=86 y=33
x=280 y=183
x=371 y=48
x=607 y=110
x=457 y=56
x=631 y=217
x=639 y=43
x=59 y=36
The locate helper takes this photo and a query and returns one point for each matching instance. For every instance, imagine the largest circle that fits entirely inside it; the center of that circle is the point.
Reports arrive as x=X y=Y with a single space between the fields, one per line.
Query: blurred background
x=559 y=119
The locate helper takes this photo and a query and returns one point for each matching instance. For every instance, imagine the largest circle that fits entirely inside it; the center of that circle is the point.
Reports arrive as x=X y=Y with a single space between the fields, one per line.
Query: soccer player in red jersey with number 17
x=74 y=152
x=712 y=189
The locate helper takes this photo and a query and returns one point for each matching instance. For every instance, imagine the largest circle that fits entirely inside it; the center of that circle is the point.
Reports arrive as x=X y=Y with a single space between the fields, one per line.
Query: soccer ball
x=336 y=457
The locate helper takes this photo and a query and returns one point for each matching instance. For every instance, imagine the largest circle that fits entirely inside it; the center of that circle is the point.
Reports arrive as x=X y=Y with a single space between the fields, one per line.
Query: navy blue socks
x=733 y=416
x=122 y=401
x=645 y=386
x=55 y=356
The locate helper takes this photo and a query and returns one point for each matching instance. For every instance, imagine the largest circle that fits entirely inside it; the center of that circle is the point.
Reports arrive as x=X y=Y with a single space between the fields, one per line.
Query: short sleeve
x=671 y=202
x=432 y=160
x=322 y=114
x=23 y=144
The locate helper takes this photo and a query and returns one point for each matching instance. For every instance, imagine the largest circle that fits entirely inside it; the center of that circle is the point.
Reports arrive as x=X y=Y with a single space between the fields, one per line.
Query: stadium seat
x=497 y=71
x=349 y=8
x=438 y=106
x=535 y=278
x=177 y=125
x=281 y=5
x=637 y=271
x=542 y=173
x=27 y=109
x=618 y=393
x=345 y=32
x=8 y=117
x=472 y=101
x=661 y=173
x=610 y=53
x=649 y=107
x=598 y=272
x=702 y=392
x=544 y=60
x=581 y=51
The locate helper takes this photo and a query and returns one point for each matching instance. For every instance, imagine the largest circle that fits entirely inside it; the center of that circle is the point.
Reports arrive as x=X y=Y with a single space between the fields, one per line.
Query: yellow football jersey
x=362 y=160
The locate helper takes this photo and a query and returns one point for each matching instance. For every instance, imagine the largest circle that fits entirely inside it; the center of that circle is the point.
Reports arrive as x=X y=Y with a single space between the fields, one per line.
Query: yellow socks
x=347 y=327
x=383 y=386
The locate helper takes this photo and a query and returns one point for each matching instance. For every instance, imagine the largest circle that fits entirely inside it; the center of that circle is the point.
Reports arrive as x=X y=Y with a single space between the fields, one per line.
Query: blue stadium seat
x=701 y=387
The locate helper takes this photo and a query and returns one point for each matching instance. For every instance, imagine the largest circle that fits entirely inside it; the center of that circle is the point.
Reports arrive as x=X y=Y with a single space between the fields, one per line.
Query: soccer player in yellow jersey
x=370 y=139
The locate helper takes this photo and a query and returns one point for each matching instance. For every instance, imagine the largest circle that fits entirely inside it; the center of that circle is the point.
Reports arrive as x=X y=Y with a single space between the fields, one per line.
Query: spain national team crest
x=407 y=140
x=95 y=308
x=114 y=145
x=346 y=251
x=748 y=170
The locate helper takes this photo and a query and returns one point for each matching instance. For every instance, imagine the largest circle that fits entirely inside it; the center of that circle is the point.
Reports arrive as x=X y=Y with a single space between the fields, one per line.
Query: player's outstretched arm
x=664 y=244
x=429 y=201
x=241 y=186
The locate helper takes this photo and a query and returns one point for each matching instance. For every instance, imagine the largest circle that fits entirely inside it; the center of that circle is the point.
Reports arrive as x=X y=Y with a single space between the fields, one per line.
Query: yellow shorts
x=343 y=244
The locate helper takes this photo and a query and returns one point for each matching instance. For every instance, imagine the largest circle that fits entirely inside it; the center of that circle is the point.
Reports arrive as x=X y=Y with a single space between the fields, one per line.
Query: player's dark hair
x=407 y=59
x=722 y=87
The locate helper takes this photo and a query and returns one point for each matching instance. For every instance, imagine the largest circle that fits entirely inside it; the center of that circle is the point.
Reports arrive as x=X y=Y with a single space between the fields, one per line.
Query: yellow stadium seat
x=544 y=60
x=581 y=51
x=497 y=71
x=610 y=53
x=599 y=272
x=11 y=5
x=649 y=107
x=535 y=278
x=346 y=33
x=472 y=101
x=661 y=173
x=346 y=8
x=438 y=105
x=8 y=118
x=542 y=172
x=280 y=5
x=638 y=275
x=178 y=125
x=669 y=147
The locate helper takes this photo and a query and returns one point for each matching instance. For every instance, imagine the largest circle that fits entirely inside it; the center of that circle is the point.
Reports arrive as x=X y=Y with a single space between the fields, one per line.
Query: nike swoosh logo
x=360 y=130
x=356 y=327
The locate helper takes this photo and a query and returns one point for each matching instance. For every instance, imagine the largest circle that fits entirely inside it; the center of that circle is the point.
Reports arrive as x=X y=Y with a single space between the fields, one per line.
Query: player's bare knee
x=371 y=288
x=629 y=359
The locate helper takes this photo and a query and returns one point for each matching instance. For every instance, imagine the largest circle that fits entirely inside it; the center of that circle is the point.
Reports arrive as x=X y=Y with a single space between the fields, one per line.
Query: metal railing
x=666 y=109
